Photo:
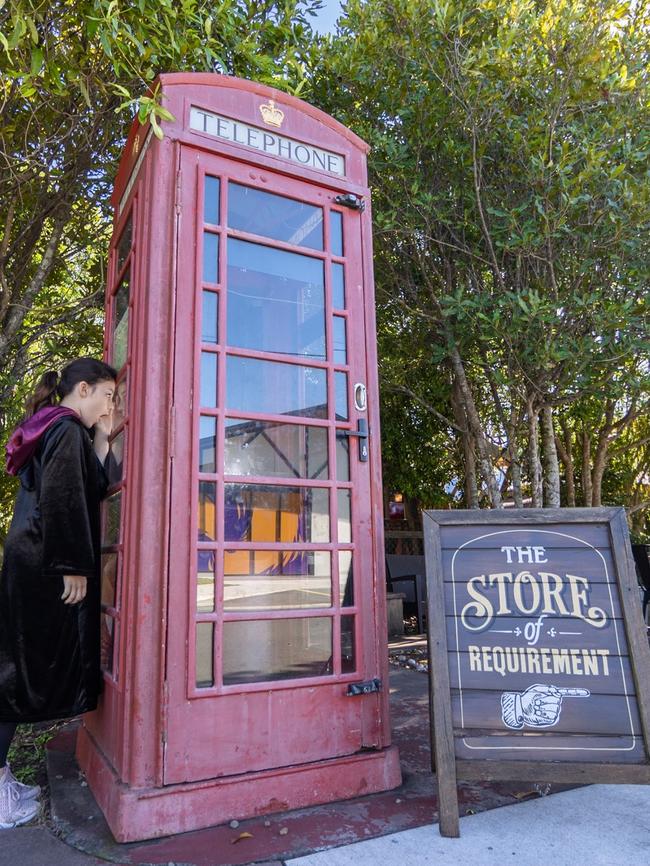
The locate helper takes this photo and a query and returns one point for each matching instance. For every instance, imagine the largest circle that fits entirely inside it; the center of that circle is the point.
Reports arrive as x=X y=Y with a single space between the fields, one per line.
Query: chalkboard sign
x=539 y=661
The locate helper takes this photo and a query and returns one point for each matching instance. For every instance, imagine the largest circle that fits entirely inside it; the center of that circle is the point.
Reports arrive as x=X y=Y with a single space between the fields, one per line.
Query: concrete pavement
x=599 y=825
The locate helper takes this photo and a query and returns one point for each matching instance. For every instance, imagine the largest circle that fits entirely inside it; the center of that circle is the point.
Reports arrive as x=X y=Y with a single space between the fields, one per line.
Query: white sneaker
x=26 y=792
x=13 y=810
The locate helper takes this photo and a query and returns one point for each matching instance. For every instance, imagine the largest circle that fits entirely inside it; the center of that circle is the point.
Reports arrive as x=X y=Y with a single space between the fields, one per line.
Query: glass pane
x=121 y=322
x=204 y=655
x=210 y=257
x=208 y=379
x=207 y=444
x=211 y=200
x=106 y=643
x=274 y=216
x=109 y=578
x=257 y=512
x=207 y=511
x=275 y=389
x=336 y=233
x=276 y=300
x=209 y=317
x=279 y=649
x=344 y=523
x=342 y=456
x=276 y=579
x=346 y=581
x=340 y=342
x=348 y=654
x=115 y=461
x=338 y=286
x=271 y=448
x=341 y=396
x=205 y=580
x=112 y=510
x=124 y=244
x=120 y=404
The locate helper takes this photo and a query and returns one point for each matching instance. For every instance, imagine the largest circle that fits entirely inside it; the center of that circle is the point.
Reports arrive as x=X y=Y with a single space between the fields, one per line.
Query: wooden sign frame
x=448 y=766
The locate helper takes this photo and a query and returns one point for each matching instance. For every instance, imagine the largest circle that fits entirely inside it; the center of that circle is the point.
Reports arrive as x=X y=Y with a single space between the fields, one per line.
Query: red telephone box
x=242 y=567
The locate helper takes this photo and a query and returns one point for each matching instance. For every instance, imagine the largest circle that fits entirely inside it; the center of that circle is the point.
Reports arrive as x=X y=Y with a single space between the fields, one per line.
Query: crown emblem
x=271 y=114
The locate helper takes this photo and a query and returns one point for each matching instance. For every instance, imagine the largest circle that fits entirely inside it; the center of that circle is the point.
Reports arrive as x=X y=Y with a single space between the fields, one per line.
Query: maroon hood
x=23 y=442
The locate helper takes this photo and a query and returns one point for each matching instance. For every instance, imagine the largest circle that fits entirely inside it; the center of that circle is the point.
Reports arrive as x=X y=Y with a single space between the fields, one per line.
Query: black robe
x=49 y=651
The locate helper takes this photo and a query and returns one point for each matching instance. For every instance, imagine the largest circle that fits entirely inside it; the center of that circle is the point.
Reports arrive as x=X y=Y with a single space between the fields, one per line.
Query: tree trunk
x=534 y=464
x=586 y=469
x=551 y=466
x=566 y=456
x=474 y=424
x=600 y=457
x=515 y=467
x=469 y=456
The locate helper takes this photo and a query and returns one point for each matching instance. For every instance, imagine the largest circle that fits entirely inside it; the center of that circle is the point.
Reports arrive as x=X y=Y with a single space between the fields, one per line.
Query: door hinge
x=172 y=431
x=366 y=688
x=177 y=194
x=349 y=199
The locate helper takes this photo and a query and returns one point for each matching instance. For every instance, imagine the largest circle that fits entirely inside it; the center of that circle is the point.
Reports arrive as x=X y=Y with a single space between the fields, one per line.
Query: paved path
x=600 y=825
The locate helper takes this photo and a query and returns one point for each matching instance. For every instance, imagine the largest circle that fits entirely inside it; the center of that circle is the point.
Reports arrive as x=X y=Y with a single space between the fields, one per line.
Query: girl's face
x=95 y=401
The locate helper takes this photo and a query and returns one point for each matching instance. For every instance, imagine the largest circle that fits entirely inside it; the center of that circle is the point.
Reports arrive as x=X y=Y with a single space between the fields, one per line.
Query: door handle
x=360 y=397
x=361 y=433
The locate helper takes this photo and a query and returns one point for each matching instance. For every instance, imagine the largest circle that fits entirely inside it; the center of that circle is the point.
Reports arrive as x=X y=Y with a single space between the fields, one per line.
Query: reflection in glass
x=205 y=560
x=210 y=257
x=276 y=300
x=121 y=322
x=207 y=443
x=209 y=317
x=341 y=396
x=278 y=649
x=112 y=511
x=342 y=456
x=276 y=579
x=344 y=522
x=106 y=640
x=124 y=244
x=259 y=512
x=274 y=388
x=115 y=459
x=348 y=654
x=211 y=200
x=340 y=342
x=346 y=581
x=204 y=655
x=109 y=578
x=274 y=216
x=336 y=233
x=207 y=511
x=120 y=403
x=275 y=449
x=208 y=379
x=338 y=286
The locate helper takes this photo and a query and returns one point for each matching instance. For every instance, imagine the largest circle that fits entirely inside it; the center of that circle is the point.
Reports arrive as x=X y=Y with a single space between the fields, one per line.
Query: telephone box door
x=271 y=595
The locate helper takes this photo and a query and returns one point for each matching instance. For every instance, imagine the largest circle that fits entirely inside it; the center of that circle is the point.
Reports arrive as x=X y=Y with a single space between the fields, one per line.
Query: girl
x=49 y=585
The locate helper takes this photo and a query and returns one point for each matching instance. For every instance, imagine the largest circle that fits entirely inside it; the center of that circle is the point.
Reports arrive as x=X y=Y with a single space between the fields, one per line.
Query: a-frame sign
x=539 y=662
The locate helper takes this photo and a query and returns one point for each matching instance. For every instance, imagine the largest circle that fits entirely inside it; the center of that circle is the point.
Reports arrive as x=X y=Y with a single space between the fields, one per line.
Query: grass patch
x=27 y=752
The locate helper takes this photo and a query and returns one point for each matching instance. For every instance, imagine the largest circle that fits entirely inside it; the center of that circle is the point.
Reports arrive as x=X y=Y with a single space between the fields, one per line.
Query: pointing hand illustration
x=538 y=707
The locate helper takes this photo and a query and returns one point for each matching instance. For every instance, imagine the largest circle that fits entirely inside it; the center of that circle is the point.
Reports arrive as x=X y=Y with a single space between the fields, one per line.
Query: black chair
x=407 y=574
x=642 y=563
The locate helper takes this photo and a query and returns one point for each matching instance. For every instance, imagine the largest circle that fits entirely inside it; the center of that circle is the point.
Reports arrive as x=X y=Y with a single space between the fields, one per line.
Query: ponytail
x=46 y=393
x=51 y=388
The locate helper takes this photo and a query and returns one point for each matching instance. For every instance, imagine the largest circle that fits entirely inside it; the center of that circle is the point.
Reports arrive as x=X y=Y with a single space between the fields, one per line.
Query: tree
x=509 y=173
x=72 y=72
